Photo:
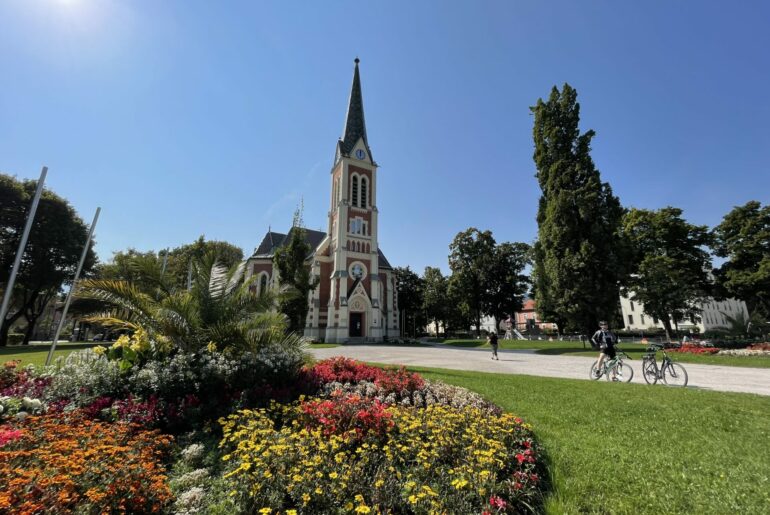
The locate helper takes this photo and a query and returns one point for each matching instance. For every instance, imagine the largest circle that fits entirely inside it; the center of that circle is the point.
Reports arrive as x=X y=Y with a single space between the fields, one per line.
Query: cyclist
x=606 y=341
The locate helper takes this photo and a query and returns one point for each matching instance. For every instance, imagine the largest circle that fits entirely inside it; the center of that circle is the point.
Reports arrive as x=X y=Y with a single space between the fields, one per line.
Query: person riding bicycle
x=606 y=341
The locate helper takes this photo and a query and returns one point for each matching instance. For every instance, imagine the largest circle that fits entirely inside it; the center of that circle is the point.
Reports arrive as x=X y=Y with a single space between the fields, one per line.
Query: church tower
x=360 y=301
x=355 y=299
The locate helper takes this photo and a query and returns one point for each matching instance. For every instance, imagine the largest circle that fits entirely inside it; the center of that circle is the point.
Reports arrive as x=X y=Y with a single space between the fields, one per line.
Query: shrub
x=346 y=370
x=344 y=413
x=693 y=348
x=432 y=392
x=83 y=377
x=15 y=338
x=68 y=464
x=9 y=374
x=438 y=459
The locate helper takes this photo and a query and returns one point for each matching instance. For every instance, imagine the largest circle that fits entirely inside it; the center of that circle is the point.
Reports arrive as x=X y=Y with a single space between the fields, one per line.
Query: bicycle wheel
x=624 y=373
x=675 y=375
x=650 y=371
x=593 y=374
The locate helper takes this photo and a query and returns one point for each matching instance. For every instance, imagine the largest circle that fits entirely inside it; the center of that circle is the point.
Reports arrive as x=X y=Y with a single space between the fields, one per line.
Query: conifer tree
x=296 y=279
x=578 y=254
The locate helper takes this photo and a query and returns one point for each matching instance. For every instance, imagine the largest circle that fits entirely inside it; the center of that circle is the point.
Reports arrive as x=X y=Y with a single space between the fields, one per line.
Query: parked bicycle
x=622 y=372
x=672 y=374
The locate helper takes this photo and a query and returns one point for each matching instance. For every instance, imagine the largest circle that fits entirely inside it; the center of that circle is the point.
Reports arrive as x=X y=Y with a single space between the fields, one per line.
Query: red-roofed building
x=527 y=320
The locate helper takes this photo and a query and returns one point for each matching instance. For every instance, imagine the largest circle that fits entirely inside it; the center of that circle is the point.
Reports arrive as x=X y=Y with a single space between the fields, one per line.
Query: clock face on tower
x=357 y=271
x=360 y=154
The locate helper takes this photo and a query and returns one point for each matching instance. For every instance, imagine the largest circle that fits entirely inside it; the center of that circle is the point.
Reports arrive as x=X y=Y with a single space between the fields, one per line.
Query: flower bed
x=338 y=436
x=66 y=464
x=758 y=349
x=694 y=348
x=356 y=456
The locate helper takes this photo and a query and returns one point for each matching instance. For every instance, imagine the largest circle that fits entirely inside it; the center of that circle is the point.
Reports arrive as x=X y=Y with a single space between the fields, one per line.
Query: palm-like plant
x=219 y=306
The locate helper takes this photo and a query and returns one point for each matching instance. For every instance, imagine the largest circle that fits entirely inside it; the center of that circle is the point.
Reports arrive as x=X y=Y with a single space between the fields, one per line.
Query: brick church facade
x=355 y=298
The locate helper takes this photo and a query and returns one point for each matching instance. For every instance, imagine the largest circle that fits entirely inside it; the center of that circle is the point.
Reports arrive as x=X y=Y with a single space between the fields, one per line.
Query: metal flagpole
x=22 y=244
x=72 y=288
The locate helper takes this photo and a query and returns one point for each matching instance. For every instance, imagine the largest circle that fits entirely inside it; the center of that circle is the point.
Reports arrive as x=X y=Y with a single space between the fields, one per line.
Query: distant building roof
x=274 y=240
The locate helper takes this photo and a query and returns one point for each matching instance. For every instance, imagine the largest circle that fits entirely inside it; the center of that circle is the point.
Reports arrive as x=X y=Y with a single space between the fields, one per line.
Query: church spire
x=355 y=126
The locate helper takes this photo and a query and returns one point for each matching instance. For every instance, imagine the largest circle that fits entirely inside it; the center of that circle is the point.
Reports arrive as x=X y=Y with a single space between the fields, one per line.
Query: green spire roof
x=355 y=126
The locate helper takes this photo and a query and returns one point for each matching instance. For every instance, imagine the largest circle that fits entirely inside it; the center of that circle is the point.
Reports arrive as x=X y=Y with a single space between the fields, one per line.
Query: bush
x=15 y=338
x=346 y=370
x=437 y=459
x=68 y=464
x=432 y=392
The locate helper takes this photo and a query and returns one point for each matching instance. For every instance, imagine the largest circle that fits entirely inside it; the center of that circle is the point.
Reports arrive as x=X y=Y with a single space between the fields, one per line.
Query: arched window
x=263 y=284
x=354 y=196
x=364 y=191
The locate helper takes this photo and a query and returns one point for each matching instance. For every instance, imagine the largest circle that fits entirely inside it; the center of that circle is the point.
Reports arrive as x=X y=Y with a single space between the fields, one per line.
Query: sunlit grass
x=625 y=448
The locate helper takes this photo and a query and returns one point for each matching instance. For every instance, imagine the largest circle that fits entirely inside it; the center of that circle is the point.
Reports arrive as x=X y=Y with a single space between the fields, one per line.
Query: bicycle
x=672 y=374
x=623 y=373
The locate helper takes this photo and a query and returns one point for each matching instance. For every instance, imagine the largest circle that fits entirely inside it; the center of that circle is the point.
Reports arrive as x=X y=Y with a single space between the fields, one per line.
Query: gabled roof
x=273 y=240
x=355 y=125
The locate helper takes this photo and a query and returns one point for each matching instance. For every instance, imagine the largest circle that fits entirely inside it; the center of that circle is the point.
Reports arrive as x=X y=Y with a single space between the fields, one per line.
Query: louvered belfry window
x=354 y=196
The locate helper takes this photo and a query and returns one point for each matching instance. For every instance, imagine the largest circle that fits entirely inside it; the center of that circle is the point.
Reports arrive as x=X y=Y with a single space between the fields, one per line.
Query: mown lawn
x=36 y=354
x=635 y=350
x=625 y=448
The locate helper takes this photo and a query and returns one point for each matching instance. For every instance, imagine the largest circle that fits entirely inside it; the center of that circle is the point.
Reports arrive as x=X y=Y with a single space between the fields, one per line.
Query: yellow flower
x=363 y=509
x=333 y=475
x=291 y=512
x=265 y=511
x=99 y=350
x=211 y=347
x=378 y=483
x=122 y=341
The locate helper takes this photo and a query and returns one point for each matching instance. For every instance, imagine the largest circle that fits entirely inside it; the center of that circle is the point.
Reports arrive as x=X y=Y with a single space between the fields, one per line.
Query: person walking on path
x=492 y=339
x=606 y=341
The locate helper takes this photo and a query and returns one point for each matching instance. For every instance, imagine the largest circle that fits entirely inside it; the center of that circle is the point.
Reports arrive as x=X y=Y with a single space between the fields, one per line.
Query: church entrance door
x=356 y=325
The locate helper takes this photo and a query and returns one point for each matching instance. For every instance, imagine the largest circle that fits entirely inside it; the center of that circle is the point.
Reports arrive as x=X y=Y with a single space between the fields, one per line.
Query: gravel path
x=527 y=362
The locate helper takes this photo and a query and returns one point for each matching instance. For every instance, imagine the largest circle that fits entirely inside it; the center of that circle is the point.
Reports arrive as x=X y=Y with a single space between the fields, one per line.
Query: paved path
x=707 y=377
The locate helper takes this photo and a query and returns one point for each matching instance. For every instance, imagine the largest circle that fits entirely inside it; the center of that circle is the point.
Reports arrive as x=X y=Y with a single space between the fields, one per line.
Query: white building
x=713 y=316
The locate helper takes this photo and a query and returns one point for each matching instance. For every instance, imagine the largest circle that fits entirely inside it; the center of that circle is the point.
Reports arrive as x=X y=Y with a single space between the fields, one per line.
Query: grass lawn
x=625 y=448
x=37 y=353
x=635 y=350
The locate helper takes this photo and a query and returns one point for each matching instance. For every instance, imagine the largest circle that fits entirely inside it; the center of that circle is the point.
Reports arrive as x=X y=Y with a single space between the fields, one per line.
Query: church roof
x=355 y=125
x=273 y=240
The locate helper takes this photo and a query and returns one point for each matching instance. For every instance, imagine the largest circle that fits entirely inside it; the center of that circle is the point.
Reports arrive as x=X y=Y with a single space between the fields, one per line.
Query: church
x=355 y=299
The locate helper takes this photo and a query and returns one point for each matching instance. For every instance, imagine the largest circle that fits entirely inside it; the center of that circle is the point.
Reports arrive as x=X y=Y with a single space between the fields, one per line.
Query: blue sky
x=183 y=118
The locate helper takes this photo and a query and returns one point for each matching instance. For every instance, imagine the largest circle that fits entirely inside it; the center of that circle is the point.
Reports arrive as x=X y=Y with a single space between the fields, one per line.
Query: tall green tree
x=507 y=284
x=180 y=258
x=51 y=256
x=409 y=287
x=295 y=277
x=670 y=263
x=435 y=297
x=743 y=238
x=579 y=253
x=472 y=261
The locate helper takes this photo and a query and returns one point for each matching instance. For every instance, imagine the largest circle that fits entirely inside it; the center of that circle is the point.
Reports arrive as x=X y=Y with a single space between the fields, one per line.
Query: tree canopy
x=52 y=253
x=670 y=263
x=409 y=287
x=578 y=256
x=743 y=238
x=296 y=280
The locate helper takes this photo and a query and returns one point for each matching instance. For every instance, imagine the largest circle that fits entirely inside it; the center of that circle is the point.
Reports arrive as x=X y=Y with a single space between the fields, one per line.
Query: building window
x=364 y=191
x=641 y=318
x=263 y=284
x=354 y=196
x=632 y=305
x=630 y=319
x=655 y=320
